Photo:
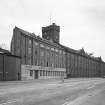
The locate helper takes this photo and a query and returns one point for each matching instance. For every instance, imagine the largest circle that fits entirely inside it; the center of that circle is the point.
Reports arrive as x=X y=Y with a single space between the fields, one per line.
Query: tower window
x=35 y=52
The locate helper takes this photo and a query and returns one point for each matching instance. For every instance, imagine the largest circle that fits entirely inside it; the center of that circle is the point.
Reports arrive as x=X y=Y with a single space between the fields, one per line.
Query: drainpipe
x=3 y=67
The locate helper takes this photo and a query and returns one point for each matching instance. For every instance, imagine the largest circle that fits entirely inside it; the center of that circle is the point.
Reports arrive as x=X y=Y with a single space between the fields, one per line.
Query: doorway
x=36 y=74
x=1 y=77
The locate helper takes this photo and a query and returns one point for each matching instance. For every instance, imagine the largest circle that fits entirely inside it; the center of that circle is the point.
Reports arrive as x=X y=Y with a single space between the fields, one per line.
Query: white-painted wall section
x=39 y=72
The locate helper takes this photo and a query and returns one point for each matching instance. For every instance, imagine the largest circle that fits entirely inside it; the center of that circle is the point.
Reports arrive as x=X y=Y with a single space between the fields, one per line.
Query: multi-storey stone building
x=40 y=57
x=81 y=64
x=46 y=58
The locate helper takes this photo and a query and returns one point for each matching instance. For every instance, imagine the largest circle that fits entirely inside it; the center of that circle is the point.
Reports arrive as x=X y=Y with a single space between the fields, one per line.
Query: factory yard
x=78 y=91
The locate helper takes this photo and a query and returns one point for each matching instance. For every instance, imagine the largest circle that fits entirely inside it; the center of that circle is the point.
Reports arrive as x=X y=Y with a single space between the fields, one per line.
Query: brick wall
x=9 y=67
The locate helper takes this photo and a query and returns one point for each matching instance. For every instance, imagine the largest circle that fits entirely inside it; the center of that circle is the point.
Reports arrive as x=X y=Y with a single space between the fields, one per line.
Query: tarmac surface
x=78 y=91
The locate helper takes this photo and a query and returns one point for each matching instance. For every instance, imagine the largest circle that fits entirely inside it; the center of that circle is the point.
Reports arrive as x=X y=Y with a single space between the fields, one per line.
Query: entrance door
x=36 y=74
x=1 y=77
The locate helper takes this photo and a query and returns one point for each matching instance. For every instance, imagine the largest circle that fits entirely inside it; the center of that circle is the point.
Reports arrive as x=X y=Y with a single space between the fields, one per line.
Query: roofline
x=9 y=54
x=32 y=35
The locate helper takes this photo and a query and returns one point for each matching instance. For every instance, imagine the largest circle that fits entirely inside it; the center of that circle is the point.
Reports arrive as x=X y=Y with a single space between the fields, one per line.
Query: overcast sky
x=82 y=22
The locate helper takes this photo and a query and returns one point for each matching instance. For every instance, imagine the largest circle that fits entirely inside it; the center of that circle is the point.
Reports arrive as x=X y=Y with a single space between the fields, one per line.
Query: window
x=47 y=64
x=30 y=42
x=41 y=45
x=56 y=65
x=47 y=53
x=56 y=50
x=45 y=33
x=35 y=61
x=52 y=49
x=31 y=72
x=52 y=65
x=30 y=47
x=41 y=73
x=47 y=47
x=47 y=37
x=29 y=50
x=41 y=53
x=45 y=73
x=63 y=52
x=36 y=52
x=35 y=43
x=60 y=51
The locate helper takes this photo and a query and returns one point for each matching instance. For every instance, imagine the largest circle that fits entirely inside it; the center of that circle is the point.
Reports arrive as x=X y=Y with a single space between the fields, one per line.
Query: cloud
x=82 y=21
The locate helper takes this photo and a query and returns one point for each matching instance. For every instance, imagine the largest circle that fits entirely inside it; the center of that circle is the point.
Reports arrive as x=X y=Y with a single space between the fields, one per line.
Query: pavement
x=95 y=98
x=75 y=91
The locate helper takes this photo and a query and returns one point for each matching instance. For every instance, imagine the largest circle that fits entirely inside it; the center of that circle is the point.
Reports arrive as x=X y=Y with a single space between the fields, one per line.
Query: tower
x=51 y=33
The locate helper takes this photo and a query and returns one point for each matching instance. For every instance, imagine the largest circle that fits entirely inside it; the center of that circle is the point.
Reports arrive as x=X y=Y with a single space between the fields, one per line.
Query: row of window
x=80 y=60
x=51 y=73
x=46 y=47
x=59 y=59
x=85 y=74
x=48 y=73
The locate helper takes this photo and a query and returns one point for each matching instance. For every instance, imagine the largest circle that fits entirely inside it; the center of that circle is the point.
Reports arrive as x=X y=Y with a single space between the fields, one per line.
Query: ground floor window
x=41 y=73
x=31 y=72
x=49 y=73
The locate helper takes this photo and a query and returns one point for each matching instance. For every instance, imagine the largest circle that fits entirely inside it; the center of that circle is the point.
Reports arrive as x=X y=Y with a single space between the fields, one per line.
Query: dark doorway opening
x=36 y=74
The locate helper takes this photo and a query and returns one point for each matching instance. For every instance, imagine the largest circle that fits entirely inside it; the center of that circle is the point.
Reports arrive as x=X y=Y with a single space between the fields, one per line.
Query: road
x=42 y=92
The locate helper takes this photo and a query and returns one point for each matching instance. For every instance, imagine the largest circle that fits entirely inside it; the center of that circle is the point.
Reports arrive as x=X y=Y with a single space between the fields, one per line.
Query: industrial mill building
x=43 y=58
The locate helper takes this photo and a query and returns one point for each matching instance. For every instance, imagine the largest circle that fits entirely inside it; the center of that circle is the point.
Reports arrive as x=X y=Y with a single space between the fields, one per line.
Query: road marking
x=8 y=102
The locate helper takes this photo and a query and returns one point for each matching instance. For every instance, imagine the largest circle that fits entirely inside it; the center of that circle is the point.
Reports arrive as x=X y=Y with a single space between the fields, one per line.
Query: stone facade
x=9 y=66
x=37 y=51
x=83 y=65
x=41 y=72
x=47 y=52
x=51 y=33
